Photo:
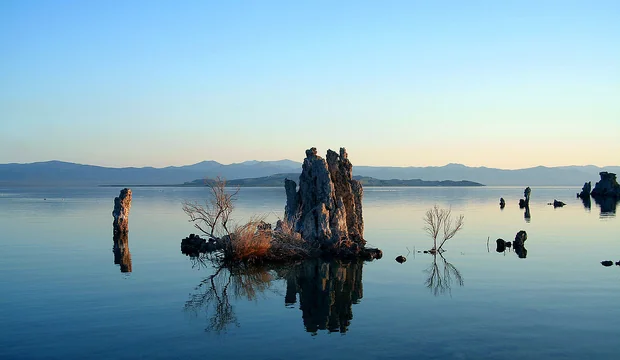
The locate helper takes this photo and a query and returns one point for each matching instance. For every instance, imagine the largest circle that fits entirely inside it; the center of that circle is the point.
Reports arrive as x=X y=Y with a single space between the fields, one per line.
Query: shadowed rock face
x=607 y=187
x=122 y=204
x=328 y=206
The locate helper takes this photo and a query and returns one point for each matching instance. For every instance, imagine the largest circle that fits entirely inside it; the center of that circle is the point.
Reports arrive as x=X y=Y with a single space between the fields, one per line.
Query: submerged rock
x=400 y=259
x=122 y=204
x=607 y=187
x=607 y=263
x=557 y=203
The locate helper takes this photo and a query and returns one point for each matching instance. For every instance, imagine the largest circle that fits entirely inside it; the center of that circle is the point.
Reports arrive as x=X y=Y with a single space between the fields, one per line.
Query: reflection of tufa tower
x=327 y=290
x=122 y=256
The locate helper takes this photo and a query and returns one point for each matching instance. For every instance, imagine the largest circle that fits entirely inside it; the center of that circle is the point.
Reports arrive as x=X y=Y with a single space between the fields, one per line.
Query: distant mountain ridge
x=59 y=173
x=278 y=180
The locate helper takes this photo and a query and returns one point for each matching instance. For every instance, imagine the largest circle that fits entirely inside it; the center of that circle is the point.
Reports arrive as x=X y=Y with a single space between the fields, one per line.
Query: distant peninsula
x=277 y=180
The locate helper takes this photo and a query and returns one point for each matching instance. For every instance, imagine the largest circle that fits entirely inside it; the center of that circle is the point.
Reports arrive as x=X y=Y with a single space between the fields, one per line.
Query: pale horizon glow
x=398 y=83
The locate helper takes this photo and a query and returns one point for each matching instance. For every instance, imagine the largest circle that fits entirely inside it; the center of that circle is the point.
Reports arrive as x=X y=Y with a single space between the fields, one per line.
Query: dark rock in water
x=502 y=203
x=607 y=187
x=521 y=203
x=501 y=245
x=327 y=209
x=607 y=263
x=618 y=263
x=585 y=190
x=193 y=245
x=122 y=204
x=400 y=259
x=520 y=239
x=557 y=203
x=508 y=244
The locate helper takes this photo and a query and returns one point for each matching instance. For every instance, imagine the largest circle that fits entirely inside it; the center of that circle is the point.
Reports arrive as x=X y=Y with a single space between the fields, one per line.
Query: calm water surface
x=67 y=294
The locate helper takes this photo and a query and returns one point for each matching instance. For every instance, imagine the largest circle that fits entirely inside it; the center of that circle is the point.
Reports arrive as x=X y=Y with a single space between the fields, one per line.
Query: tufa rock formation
x=585 y=190
x=520 y=238
x=607 y=187
x=327 y=208
x=122 y=204
x=524 y=203
x=502 y=203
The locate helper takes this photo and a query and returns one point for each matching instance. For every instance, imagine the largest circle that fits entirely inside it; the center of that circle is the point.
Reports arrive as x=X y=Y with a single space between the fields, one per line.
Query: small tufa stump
x=525 y=202
x=122 y=204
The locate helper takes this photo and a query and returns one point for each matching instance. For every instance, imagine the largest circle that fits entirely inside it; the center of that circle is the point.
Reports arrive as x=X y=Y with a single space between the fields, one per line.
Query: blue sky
x=505 y=84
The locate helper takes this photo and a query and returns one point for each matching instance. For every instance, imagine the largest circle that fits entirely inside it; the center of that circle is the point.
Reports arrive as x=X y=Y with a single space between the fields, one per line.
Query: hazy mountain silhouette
x=63 y=173
x=278 y=180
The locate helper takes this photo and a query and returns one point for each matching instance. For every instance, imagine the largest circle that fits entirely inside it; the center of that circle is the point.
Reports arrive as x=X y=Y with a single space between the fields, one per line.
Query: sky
x=507 y=84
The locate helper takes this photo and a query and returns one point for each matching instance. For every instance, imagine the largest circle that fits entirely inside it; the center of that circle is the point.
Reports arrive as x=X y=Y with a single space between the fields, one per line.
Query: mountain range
x=278 y=180
x=58 y=173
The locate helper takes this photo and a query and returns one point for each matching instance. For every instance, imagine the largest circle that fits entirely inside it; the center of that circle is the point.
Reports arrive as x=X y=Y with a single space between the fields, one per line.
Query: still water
x=67 y=292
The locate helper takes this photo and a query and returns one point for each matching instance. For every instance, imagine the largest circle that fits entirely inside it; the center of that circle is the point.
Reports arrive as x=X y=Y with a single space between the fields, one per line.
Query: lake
x=67 y=294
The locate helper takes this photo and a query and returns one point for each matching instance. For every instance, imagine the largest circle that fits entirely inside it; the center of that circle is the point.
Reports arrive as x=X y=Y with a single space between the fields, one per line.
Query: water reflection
x=327 y=290
x=122 y=256
x=324 y=289
x=526 y=215
x=607 y=205
x=586 y=200
x=442 y=275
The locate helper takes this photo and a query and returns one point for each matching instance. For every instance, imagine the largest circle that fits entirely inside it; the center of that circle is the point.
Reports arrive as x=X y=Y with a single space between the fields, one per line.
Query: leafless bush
x=440 y=221
x=212 y=217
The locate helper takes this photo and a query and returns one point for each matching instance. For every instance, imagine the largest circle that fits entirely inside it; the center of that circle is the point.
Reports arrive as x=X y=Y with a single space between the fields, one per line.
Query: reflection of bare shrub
x=439 y=280
x=213 y=294
x=440 y=221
